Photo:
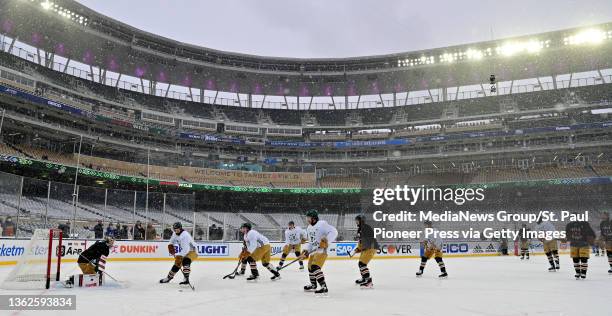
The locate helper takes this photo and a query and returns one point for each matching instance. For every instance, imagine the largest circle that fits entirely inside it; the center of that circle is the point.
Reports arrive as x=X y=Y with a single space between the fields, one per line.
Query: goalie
x=187 y=253
x=92 y=263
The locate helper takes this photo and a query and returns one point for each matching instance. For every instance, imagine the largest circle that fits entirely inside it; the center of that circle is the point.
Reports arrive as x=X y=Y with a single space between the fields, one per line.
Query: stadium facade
x=104 y=121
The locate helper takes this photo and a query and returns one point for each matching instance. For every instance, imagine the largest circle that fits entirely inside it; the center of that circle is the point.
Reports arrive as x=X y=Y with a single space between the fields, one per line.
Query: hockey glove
x=244 y=254
x=323 y=244
x=171 y=250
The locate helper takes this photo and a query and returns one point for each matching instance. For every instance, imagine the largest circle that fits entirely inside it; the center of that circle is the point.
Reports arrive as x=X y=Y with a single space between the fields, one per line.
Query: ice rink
x=476 y=286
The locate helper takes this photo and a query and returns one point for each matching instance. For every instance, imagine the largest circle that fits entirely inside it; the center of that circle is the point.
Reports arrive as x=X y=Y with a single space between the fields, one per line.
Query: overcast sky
x=343 y=28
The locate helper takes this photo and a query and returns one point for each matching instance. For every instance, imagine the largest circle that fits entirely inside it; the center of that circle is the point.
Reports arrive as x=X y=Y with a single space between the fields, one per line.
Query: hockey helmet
x=313 y=214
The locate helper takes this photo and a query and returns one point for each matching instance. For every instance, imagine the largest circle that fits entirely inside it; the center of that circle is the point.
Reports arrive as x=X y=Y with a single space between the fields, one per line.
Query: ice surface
x=476 y=286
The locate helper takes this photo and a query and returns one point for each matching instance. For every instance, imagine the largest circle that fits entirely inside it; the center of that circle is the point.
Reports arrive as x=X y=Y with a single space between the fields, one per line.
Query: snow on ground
x=476 y=286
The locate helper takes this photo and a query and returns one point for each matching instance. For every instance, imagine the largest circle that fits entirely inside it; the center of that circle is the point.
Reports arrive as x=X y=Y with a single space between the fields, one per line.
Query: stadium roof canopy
x=68 y=29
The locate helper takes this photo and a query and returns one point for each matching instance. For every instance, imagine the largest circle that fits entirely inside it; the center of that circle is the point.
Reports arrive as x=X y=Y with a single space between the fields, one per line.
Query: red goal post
x=58 y=254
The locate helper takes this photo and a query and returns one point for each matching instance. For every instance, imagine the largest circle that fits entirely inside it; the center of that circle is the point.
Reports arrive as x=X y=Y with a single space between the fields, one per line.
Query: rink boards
x=12 y=249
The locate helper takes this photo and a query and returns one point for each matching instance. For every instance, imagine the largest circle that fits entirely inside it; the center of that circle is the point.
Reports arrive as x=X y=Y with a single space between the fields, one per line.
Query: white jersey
x=254 y=240
x=185 y=242
x=319 y=231
x=294 y=236
x=546 y=226
x=433 y=240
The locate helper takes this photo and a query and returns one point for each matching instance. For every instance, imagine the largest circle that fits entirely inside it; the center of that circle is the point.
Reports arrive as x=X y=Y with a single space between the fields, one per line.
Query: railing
x=27 y=204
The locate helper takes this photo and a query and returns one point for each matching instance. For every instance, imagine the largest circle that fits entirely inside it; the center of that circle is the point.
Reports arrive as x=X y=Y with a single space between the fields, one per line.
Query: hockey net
x=40 y=262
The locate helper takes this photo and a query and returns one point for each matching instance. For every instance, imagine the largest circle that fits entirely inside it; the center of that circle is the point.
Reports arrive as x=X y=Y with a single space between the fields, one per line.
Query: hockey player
x=257 y=248
x=294 y=238
x=320 y=234
x=367 y=248
x=187 y=253
x=580 y=235
x=93 y=258
x=551 y=248
x=92 y=261
x=432 y=246
x=606 y=236
x=524 y=242
x=242 y=260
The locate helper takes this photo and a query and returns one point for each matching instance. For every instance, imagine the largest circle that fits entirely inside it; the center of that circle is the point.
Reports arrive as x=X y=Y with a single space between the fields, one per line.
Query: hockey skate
x=186 y=284
x=444 y=275
x=310 y=288
x=253 y=278
x=366 y=285
x=70 y=282
x=552 y=269
x=610 y=271
x=360 y=281
x=165 y=280
x=419 y=273
x=276 y=276
x=322 y=291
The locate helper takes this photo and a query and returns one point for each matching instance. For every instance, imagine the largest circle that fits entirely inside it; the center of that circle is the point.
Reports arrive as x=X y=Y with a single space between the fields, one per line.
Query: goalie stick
x=103 y=271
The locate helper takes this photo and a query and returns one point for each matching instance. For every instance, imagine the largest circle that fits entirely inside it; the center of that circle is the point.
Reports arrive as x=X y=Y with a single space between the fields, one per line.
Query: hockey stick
x=290 y=263
x=233 y=274
x=190 y=285
x=103 y=271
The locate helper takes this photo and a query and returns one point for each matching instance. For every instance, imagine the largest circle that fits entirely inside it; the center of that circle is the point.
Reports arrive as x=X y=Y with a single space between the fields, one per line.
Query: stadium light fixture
x=474 y=54
x=589 y=36
x=513 y=48
x=46 y=5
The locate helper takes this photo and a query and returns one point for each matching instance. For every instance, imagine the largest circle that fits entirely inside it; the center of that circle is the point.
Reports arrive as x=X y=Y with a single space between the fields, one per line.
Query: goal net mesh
x=39 y=263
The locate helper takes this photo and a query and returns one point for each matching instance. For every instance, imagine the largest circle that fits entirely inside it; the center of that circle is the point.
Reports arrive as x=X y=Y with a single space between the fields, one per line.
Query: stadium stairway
x=273 y=220
x=93 y=211
x=244 y=219
x=22 y=211
x=182 y=218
